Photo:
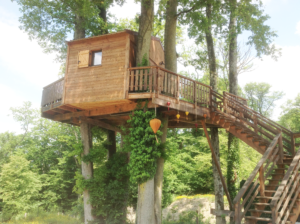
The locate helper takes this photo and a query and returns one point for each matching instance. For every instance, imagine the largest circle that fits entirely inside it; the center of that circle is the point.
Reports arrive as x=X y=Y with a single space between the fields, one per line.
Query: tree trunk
x=145 y=205
x=111 y=148
x=233 y=149
x=145 y=30
x=233 y=76
x=158 y=178
x=218 y=188
x=170 y=36
x=79 y=31
x=103 y=16
x=86 y=169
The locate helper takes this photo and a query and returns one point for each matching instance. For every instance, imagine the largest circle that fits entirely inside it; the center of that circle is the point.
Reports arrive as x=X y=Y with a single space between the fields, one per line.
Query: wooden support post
x=86 y=169
x=293 y=144
x=195 y=94
x=255 y=123
x=178 y=86
x=217 y=165
x=274 y=215
x=261 y=181
x=237 y=213
x=280 y=149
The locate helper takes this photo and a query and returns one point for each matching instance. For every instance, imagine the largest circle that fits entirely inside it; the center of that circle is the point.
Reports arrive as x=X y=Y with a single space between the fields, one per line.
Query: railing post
x=157 y=83
x=195 y=95
x=293 y=144
x=280 y=148
x=210 y=97
x=274 y=214
x=255 y=123
x=237 y=211
x=261 y=181
x=177 y=96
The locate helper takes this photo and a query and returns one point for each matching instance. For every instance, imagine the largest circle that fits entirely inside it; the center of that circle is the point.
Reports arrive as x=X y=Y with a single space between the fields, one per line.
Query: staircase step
x=264 y=197
x=258 y=218
x=270 y=191
x=260 y=211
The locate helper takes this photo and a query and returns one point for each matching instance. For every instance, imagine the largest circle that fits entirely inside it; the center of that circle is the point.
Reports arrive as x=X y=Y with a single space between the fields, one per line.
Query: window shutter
x=83 y=59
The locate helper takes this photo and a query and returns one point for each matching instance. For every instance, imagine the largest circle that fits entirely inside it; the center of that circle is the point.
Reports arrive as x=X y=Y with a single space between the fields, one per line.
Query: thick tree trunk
x=218 y=188
x=111 y=148
x=86 y=169
x=159 y=176
x=170 y=36
x=103 y=16
x=145 y=30
x=233 y=76
x=79 y=31
x=145 y=205
x=233 y=150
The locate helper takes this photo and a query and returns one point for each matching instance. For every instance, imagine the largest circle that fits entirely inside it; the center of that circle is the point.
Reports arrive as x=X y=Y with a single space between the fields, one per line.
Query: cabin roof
x=109 y=35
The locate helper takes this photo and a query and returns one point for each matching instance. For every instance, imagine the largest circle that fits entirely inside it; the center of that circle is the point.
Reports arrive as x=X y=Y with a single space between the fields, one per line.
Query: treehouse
x=103 y=84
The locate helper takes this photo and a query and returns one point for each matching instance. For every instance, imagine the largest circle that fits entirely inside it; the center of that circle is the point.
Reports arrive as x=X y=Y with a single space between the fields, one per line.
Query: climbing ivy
x=233 y=165
x=142 y=145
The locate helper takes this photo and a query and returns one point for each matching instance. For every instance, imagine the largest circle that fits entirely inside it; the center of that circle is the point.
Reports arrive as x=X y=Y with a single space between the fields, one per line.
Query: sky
x=25 y=69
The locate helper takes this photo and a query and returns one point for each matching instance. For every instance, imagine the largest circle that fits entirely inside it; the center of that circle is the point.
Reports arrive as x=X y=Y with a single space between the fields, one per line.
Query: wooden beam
x=99 y=111
x=217 y=165
x=221 y=212
x=296 y=135
x=99 y=123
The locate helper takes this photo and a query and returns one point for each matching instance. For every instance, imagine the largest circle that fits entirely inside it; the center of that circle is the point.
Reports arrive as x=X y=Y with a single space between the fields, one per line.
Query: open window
x=96 y=58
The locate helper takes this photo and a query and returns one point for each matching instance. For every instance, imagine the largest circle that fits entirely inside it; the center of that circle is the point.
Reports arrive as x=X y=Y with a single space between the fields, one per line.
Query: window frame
x=92 y=55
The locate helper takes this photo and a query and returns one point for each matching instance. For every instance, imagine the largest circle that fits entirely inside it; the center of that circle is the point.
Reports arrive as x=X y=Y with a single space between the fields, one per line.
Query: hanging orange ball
x=155 y=124
x=187 y=114
x=205 y=115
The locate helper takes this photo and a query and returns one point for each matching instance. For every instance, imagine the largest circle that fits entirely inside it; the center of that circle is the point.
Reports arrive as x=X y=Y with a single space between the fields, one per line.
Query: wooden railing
x=259 y=175
x=52 y=95
x=254 y=120
x=158 y=80
x=235 y=97
x=287 y=193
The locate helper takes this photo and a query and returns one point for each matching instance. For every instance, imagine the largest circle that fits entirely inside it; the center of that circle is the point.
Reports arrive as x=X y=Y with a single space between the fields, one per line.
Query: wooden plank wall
x=98 y=86
x=97 y=83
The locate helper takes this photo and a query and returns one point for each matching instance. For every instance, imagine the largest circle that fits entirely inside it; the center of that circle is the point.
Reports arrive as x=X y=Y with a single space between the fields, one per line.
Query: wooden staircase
x=271 y=194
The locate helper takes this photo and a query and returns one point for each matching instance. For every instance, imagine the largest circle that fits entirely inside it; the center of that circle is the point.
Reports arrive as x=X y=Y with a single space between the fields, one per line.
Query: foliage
x=19 y=186
x=41 y=217
x=290 y=117
x=142 y=145
x=109 y=189
x=260 y=98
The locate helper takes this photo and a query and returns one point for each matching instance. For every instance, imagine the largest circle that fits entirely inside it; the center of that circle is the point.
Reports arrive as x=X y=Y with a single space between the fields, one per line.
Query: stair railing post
x=224 y=102
x=195 y=94
x=280 y=148
x=293 y=144
x=237 y=210
x=261 y=181
x=274 y=214
x=178 y=92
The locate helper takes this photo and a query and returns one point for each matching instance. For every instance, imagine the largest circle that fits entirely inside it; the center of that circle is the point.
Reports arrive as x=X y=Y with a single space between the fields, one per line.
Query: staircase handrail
x=285 y=191
x=267 y=120
x=271 y=154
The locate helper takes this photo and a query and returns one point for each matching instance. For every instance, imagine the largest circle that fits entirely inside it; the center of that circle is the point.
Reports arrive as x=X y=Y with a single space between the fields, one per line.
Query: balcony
x=53 y=95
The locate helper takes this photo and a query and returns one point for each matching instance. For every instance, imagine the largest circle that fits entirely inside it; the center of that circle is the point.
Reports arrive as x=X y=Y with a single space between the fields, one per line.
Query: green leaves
x=142 y=145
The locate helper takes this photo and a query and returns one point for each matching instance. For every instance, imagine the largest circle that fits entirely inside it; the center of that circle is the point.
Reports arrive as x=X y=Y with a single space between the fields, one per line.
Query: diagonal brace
x=217 y=165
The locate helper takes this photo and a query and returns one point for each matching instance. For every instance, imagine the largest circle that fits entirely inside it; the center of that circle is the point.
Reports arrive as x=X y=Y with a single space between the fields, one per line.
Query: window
x=97 y=58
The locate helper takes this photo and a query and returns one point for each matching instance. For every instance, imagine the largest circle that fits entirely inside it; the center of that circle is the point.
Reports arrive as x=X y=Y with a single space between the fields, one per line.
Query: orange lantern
x=187 y=114
x=178 y=116
x=205 y=115
x=155 y=125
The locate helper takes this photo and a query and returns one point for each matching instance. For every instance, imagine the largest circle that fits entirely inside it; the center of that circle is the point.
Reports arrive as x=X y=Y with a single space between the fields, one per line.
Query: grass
x=45 y=218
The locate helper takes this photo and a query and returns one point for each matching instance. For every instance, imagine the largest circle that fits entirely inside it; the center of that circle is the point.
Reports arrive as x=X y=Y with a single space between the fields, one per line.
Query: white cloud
x=283 y=75
x=298 y=28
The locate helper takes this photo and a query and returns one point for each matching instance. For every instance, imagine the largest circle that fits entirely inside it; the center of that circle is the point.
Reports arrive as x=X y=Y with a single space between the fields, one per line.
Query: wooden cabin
x=96 y=71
